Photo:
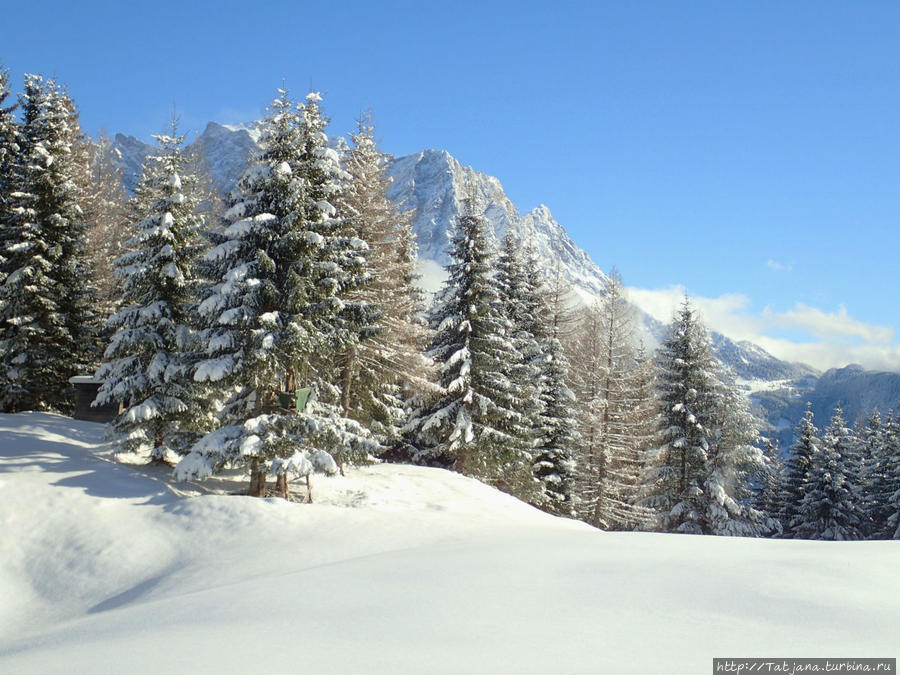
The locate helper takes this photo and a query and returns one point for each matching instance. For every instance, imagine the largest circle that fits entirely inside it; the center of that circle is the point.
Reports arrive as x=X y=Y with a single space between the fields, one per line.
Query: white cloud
x=825 y=354
x=831 y=339
x=779 y=266
x=830 y=324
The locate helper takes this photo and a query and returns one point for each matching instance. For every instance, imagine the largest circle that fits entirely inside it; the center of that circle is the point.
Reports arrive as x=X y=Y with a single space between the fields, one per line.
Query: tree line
x=283 y=333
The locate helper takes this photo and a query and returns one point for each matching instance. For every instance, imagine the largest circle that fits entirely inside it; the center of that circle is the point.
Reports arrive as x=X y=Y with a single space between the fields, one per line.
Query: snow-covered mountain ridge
x=434 y=184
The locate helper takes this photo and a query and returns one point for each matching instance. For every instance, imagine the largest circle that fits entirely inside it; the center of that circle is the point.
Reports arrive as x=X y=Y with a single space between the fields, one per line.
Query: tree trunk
x=257 y=480
x=347 y=380
x=308 y=489
x=281 y=486
x=462 y=461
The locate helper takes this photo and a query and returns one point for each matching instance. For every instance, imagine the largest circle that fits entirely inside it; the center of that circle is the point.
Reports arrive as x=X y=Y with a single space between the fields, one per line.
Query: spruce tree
x=888 y=527
x=829 y=509
x=869 y=489
x=519 y=300
x=474 y=424
x=798 y=471
x=699 y=480
x=678 y=468
x=331 y=274
x=768 y=497
x=46 y=317
x=9 y=147
x=149 y=361
x=275 y=316
x=736 y=465
x=883 y=481
x=554 y=457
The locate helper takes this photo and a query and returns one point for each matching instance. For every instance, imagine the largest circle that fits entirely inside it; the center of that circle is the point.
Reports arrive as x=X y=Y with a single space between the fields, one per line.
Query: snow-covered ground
x=106 y=567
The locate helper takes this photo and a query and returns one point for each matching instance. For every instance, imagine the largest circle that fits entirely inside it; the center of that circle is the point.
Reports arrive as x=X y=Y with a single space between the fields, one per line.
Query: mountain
x=856 y=390
x=435 y=184
x=224 y=151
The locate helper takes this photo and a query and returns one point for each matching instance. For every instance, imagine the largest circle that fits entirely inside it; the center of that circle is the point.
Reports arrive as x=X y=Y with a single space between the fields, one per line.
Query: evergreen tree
x=678 y=468
x=554 y=457
x=798 y=471
x=828 y=509
x=475 y=423
x=149 y=361
x=888 y=527
x=9 y=148
x=275 y=317
x=554 y=463
x=331 y=276
x=869 y=489
x=883 y=481
x=382 y=367
x=699 y=480
x=46 y=321
x=519 y=300
x=736 y=465
x=768 y=498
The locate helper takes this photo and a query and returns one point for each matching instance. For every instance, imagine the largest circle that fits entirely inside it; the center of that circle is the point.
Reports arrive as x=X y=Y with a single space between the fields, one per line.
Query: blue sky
x=744 y=153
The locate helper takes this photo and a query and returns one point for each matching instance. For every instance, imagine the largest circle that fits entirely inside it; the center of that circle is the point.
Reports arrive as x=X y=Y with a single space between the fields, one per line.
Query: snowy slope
x=109 y=568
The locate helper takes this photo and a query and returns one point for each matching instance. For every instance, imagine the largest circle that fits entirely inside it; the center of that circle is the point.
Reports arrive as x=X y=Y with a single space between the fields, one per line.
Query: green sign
x=302 y=398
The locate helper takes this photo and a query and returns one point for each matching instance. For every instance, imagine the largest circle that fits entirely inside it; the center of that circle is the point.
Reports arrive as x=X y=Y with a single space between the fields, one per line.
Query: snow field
x=106 y=567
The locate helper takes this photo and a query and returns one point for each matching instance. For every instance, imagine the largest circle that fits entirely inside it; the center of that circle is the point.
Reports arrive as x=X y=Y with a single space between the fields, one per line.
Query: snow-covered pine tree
x=798 y=471
x=333 y=275
x=283 y=260
x=829 y=509
x=883 y=477
x=474 y=422
x=9 y=147
x=383 y=366
x=519 y=299
x=736 y=465
x=557 y=435
x=871 y=437
x=677 y=470
x=149 y=362
x=604 y=373
x=699 y=480
x=46 y=320
x=768 y=497
x=888 y=525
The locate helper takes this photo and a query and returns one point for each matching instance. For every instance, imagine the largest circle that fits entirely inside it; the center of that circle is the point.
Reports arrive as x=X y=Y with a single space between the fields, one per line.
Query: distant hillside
x=857 y=390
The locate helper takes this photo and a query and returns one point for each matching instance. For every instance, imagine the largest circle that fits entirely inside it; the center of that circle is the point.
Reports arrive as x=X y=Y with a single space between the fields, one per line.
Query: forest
x=280 y=330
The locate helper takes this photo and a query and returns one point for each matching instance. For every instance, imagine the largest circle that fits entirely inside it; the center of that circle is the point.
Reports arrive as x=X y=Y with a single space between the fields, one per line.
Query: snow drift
x=106 y=567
